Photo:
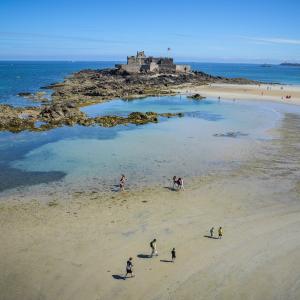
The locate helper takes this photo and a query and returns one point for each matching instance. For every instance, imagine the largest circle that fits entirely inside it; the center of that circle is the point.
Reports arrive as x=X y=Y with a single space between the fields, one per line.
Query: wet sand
x=77 y=248
x=262 y=92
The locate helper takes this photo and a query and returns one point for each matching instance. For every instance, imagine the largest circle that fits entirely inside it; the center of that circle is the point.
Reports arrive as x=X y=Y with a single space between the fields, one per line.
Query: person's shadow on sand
x=211 y=237
x=166 y=260
x=118 y=277
x=144 y=256
x=171 y=189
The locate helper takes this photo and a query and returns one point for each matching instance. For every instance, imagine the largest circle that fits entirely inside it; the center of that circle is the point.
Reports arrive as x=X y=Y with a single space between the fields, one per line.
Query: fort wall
x=142 y=63
x=183 y=68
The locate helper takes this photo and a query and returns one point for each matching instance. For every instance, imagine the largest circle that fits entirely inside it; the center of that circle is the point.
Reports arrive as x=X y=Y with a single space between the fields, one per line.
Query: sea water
x=85 y=157
x=29 y=76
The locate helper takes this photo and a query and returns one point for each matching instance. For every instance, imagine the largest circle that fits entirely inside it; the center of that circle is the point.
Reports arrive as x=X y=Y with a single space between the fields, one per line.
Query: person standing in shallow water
x=173 y=254
x=129 y=266
x=153 y=248
x=174 y=182
x=180 y=183
x=220 y=232
x=122 y=183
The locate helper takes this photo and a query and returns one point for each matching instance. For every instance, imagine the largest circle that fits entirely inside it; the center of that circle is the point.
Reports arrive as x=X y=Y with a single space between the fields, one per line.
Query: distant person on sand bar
x=174 y=182
x=122 y=182
x=129 y=266
x=220 y=232
x=153 y=248
x=173 y=253
x=212 y=232
x=180 y=183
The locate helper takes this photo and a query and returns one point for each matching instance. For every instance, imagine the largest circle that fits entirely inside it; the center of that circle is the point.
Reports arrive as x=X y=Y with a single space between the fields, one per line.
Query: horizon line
x=109 y=60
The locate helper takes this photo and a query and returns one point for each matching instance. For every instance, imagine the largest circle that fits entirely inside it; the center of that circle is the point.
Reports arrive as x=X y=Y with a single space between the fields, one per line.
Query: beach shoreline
x=255 y=92
x=76 y=248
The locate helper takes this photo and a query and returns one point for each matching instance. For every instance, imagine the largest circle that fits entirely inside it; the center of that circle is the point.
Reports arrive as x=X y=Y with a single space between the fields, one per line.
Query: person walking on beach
x=129 y=266
x=212 y=232
x=173 y=254
x=122 y=182
x=153 y=248
x=220 y=232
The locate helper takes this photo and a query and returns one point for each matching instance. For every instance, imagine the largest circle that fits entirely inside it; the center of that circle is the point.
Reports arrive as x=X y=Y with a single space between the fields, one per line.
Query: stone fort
x=145 y=64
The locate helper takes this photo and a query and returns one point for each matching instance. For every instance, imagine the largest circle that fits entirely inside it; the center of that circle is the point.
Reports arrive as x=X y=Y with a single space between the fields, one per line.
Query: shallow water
x=83 y=157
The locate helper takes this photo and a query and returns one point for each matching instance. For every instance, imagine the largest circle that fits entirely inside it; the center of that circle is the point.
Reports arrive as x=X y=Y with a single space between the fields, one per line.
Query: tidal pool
x=82 y=157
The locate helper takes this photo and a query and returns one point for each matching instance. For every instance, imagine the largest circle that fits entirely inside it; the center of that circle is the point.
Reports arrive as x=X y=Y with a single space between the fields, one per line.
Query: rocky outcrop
x=93 y=86
x=17 y=119
x=137 y=118
x=38 y=96
x=67 y=114
x=196 y=97
x=60 y=112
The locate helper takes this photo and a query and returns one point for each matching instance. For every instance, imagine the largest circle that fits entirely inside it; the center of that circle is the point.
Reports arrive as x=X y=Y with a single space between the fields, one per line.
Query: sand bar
x=263 y=92
x=77 y=248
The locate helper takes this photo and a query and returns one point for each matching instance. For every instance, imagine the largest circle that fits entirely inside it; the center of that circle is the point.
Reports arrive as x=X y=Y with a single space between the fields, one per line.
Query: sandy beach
x=105 y=106
x=262 y=92
x=77 y=248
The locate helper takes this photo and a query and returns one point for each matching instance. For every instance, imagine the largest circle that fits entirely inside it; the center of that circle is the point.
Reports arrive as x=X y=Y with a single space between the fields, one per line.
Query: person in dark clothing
x=173 y=253
x=129 y=266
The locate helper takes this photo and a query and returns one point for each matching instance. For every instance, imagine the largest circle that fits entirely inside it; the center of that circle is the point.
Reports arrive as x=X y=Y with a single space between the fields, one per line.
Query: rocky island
x=290 y=64
x=142 y=76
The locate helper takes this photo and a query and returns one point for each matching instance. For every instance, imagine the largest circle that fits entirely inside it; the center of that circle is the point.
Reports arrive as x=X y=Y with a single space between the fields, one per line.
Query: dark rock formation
x=196 y=97
x=60 y=112
x=24 y=94
x=94 y=86
x=38 y=96
x=16 y=119
x=287 y=64
x=67 y=114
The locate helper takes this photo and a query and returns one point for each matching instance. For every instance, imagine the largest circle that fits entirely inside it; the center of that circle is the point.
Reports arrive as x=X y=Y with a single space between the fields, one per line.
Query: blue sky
x=216 y=31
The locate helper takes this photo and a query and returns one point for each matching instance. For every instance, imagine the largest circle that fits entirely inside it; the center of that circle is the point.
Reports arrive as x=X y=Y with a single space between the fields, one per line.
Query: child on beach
x=220 y=232
x=153 y=248
x=129 y=266
x=173 y=253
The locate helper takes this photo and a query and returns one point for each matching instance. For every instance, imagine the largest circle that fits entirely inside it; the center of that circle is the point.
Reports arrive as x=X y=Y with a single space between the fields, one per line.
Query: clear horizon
x=124 y=61
x=196 y=31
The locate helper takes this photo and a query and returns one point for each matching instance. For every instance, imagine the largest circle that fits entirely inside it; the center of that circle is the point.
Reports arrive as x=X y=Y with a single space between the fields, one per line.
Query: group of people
x=177 y=183
x=220 y=232
x=286 y=97
x=129 y=264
